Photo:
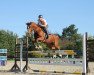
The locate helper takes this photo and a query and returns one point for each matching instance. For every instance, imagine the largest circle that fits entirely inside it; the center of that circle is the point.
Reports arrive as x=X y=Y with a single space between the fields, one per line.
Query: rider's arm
x=44 y=23
x=38 y=21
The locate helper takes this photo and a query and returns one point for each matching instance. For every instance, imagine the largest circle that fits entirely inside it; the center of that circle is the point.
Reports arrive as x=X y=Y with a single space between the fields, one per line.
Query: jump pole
x=21 y=58
x=84 y=55
x=26 y=66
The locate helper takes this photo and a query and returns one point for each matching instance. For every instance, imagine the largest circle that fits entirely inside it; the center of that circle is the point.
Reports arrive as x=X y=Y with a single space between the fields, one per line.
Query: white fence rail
x=56 y=61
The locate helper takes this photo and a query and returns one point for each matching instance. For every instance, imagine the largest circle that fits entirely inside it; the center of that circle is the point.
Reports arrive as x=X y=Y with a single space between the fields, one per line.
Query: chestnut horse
x=52 y=41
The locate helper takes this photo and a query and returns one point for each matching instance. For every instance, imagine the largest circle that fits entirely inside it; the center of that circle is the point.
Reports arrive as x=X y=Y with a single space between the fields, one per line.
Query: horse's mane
x=29 y=23
x=37 y=24
x=34 y=23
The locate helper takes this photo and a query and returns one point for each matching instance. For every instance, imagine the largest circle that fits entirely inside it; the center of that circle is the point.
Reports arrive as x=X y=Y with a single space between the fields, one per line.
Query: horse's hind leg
x=57 y=47
x=57 y=44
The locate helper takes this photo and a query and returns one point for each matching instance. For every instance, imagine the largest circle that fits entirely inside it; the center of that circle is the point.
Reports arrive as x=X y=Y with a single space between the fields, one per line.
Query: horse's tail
x=58 y=35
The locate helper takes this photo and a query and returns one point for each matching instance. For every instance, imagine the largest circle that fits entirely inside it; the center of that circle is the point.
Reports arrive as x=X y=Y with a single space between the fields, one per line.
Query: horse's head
x=29 y=27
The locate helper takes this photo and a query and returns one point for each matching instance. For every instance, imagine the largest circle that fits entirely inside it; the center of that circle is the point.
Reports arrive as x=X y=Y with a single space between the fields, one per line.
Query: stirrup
x=47 y=36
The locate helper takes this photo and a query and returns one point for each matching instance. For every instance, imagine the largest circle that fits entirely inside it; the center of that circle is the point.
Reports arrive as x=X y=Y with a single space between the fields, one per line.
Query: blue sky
x=59 y=14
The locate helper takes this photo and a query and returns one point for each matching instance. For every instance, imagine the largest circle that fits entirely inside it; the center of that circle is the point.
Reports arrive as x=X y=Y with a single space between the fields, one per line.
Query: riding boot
x=47 y=36
x=46 y=33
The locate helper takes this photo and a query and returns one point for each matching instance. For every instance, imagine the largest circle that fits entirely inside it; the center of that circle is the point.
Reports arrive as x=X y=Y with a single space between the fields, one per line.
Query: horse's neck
x=35 y=27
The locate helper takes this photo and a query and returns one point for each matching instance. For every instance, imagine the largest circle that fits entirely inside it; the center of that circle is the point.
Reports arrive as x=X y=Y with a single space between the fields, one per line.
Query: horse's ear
x=28 y=23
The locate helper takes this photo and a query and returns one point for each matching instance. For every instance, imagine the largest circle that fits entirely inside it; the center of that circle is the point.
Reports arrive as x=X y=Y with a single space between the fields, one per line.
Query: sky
x=14 y=14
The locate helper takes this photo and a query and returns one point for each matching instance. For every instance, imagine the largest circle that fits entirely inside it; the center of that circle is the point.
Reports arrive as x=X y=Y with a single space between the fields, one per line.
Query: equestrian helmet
x=40 y=16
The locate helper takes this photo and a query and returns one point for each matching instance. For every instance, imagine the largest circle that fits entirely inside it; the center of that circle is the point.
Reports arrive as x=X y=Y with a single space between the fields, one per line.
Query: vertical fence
x=21 y=54
x=19 y=51
x=84 y=54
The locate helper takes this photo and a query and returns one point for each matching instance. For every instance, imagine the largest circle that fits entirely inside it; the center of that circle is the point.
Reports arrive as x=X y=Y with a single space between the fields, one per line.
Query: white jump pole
x=21 y=48
x=84 y=54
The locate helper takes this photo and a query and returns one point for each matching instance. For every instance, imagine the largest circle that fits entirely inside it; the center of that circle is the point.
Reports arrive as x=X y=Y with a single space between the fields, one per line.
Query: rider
x=43 y=24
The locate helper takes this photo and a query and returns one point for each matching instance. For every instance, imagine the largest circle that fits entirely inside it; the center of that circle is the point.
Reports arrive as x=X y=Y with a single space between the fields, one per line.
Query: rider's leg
x=45 y=30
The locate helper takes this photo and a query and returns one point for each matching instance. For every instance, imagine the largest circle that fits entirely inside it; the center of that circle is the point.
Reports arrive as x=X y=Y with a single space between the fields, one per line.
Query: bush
x=36 y=55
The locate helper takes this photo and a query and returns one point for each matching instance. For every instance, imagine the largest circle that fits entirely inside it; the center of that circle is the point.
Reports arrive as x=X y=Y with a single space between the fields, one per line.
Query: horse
x=39 y=35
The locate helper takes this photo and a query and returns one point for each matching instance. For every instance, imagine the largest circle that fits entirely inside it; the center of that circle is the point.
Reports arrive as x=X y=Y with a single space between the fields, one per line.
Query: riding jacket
x=42 y=22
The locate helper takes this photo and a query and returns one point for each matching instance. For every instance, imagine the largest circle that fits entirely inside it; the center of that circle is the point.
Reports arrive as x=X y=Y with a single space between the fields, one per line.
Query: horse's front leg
x=40 y=39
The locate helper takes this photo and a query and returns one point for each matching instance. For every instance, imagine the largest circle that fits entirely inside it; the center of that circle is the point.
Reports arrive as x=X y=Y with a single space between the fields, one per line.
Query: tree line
x=7 y=41
x=69 y=40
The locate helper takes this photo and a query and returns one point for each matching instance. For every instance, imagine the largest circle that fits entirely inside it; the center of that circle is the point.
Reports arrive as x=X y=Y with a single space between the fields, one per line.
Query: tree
x=7 y=41
x=71 y=39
